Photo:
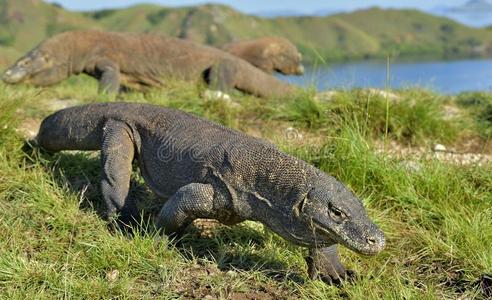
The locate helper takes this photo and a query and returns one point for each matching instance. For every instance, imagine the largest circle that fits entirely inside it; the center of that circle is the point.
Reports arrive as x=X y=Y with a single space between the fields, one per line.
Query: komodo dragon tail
x=254 y=81
x=76 y=128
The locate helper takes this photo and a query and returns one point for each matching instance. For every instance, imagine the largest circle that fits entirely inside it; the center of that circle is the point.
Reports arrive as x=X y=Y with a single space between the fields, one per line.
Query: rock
x=216 y=95
x=325 y=96
x=384 y=94
x=221 y=96
x=439 y=148
x=28 y=128
x=451 y=112
x=112 y=275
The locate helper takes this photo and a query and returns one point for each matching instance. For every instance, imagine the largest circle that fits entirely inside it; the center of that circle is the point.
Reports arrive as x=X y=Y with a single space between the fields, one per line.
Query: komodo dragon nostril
x=371 y=240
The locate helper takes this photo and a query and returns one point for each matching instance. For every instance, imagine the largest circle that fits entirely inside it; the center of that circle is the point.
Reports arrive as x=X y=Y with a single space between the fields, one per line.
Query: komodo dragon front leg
x=117 y=153
x=109 y=76
x=324 y=264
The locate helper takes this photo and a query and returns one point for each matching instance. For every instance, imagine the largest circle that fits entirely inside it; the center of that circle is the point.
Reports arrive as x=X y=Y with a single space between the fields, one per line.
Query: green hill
x=210 y=24
x=411 y=32
x=362 y=34
x=24 y=23
x=368 y=33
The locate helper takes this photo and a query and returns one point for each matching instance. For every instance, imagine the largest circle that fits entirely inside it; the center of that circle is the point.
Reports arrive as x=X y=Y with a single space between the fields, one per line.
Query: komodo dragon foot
x=324 y=264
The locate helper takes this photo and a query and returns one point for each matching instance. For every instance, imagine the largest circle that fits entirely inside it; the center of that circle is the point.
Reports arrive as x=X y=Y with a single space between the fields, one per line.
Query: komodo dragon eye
x=336 y=214
x=24 y=63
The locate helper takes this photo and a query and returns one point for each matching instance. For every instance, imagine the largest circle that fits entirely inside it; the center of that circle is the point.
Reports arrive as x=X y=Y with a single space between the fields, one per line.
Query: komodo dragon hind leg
x=192 y=201
x=324 y=264
x=117 y=153
x=222 y=77
x=109 y=81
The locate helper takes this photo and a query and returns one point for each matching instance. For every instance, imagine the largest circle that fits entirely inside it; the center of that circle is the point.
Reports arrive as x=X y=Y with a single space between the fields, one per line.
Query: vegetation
x=362 y=34
x=437 y=217
x=480 y=105
x=29 y=22
x=411 y=121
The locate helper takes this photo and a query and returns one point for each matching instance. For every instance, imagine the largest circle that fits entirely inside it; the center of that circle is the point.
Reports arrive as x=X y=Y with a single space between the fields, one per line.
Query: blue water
x=449 y=77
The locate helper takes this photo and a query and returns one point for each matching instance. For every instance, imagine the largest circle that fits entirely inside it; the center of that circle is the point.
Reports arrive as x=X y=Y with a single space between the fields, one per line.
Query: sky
x=254 y=6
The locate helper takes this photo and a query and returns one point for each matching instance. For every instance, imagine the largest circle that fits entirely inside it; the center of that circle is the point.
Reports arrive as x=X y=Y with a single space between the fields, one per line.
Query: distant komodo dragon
x=271 y=54
x=139 y=61
x=208 y=171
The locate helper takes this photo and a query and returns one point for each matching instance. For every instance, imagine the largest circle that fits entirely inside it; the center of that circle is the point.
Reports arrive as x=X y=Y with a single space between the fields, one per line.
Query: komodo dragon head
x=331 y=215
x=37 y=67
x=284 y=56
x=270 y=54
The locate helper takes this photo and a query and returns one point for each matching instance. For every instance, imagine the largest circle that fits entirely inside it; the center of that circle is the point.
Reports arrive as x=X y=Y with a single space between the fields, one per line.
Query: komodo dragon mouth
x=14 y=75
x=33 y=64
x=372 y=246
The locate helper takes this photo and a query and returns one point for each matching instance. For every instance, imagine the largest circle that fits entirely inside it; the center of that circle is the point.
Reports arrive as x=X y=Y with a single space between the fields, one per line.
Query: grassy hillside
x=209 y=24
x=362 y=34
x=368 y=33
x=436 y=214
x=411 y=32
x=24 y=23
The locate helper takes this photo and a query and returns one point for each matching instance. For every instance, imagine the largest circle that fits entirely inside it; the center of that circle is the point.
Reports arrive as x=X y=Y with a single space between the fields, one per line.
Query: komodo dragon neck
x=268 y=194
x=62 y=51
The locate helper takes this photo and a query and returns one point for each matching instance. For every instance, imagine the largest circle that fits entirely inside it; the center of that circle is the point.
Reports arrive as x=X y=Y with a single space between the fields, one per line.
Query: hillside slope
x=367 y=33
x=362 y=34
x=24 y=23
x=411 y=32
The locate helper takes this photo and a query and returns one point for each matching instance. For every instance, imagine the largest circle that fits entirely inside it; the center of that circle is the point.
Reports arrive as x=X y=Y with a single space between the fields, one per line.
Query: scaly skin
x=139 y=61
x=271 y=54
x=209 y=171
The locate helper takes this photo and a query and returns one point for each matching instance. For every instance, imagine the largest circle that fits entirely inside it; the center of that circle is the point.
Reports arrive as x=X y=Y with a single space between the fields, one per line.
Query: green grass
x=437 y=216
x=479 y=106
x=414 y=117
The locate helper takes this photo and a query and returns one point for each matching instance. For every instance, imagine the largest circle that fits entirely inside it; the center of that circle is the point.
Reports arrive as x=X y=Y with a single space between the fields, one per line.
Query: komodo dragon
x=139 y=61
x=213 y=172
x=271 y=54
